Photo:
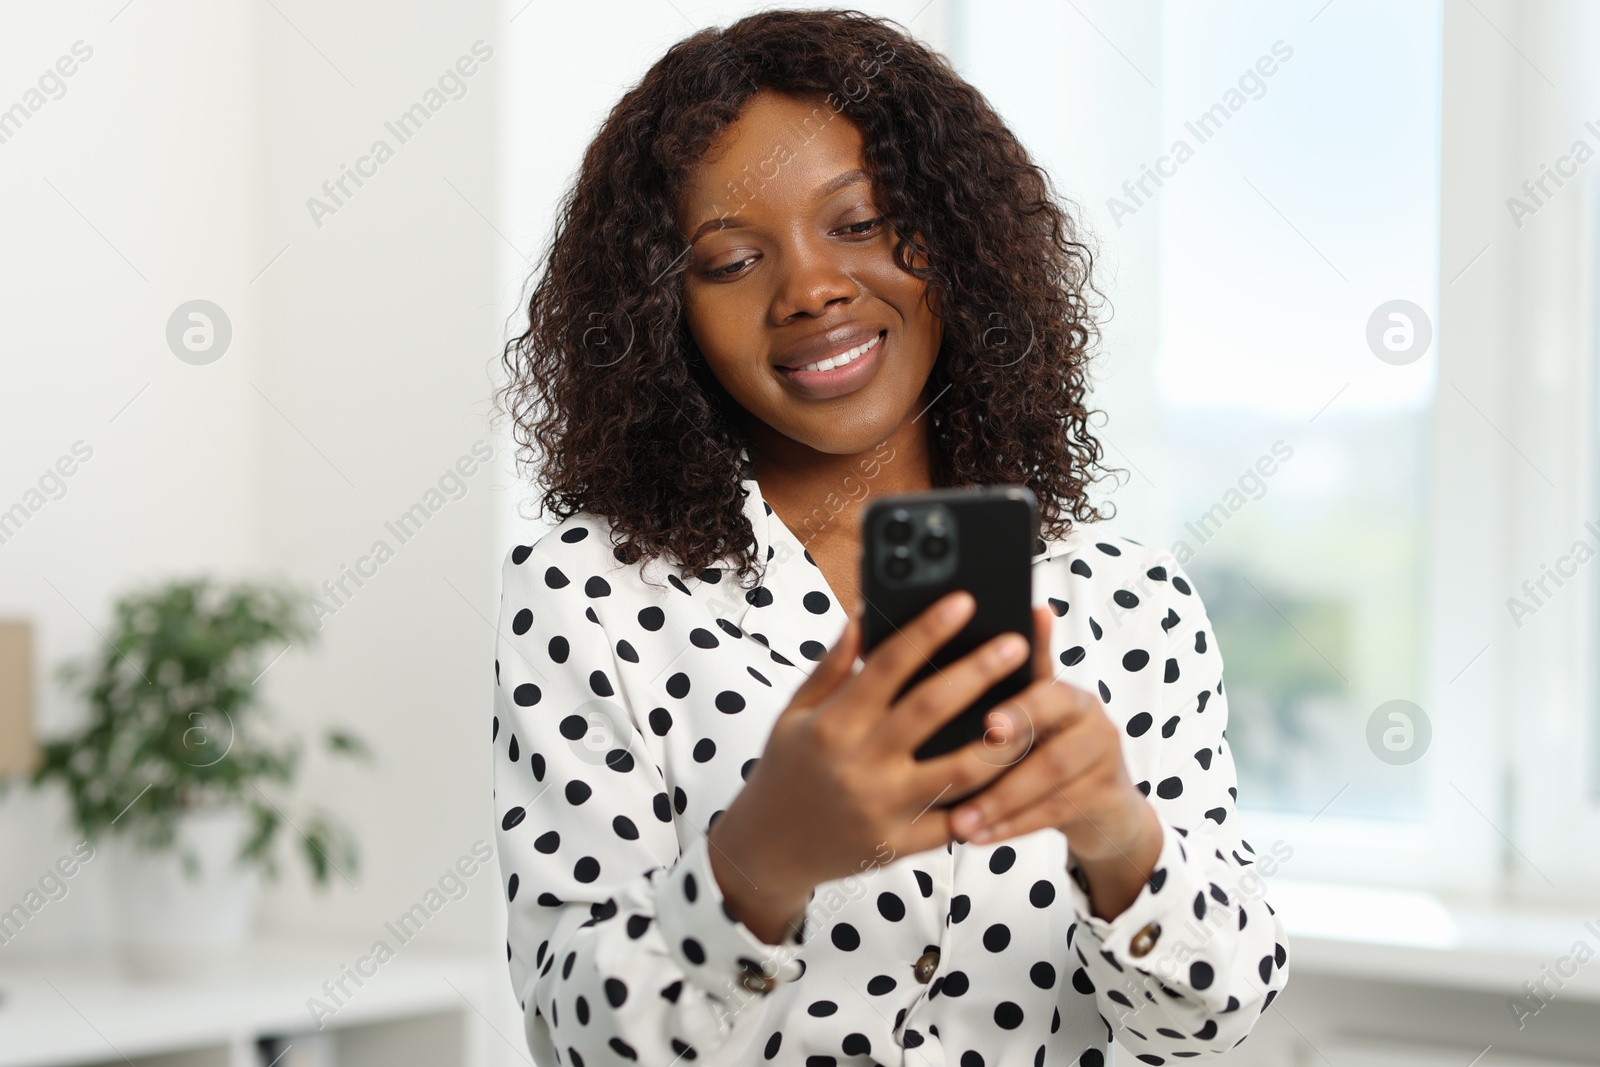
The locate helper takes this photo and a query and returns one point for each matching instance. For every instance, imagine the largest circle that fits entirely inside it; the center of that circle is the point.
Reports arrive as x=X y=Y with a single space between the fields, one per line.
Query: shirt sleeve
x=619 y=941
x=1190 y=965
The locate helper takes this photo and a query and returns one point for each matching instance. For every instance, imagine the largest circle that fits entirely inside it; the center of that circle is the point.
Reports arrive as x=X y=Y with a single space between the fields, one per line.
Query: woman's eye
x=863 y=227
x=855 y=229
x=730 y=269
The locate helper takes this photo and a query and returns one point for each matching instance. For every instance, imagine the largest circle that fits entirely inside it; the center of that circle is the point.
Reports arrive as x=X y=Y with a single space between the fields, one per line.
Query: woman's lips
x=826 y=384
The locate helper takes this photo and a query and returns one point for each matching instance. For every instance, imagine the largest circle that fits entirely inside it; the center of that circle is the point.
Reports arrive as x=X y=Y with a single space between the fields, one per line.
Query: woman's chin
x=836 y=441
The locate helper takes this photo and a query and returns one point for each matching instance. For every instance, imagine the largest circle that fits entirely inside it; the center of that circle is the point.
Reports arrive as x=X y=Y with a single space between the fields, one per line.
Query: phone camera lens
x=898 y=529
x=935 y=546
x=898 y=565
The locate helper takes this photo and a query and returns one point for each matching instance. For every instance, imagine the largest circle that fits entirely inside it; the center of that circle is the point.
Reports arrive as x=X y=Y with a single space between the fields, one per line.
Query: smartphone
x=917 y=547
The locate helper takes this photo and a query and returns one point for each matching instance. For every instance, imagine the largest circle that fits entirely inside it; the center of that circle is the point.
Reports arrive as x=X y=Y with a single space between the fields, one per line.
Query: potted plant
x=173 y=771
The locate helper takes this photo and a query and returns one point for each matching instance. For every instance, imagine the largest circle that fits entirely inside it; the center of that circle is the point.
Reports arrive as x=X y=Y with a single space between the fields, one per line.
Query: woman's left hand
x=1072 y=776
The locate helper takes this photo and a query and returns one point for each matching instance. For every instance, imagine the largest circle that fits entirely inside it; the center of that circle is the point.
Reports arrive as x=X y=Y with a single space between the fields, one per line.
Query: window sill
x=1420 y=938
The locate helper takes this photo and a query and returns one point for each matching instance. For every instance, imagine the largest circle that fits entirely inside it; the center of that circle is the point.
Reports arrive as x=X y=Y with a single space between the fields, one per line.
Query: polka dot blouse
x=628 y=716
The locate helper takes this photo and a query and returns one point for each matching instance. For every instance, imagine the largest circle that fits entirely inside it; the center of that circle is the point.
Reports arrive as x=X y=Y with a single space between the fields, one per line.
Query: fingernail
x=966 y=819
x=1012 y=647
x=957 y=605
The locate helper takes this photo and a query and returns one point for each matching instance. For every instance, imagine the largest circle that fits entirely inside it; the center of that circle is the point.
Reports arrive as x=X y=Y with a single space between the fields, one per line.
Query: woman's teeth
x=842 y=358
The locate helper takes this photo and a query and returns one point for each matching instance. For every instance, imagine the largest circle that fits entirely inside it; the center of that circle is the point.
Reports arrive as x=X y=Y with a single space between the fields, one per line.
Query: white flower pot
x=168 y=921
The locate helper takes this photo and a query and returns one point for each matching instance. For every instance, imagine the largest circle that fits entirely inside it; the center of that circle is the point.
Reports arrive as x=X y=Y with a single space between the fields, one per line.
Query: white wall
x=358 y=374
x=154 y=143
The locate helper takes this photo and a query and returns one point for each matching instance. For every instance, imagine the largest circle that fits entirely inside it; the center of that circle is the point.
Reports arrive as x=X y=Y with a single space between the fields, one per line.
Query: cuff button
x=753 y=979
x=926 y=964
x=1144 y=940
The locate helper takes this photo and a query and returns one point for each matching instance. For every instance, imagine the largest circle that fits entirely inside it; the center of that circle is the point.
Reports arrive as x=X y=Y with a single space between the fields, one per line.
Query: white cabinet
x=426 y=1010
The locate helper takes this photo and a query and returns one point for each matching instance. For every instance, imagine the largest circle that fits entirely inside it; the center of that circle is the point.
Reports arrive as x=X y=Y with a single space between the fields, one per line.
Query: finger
x=1065 y=745
x=929 y=827
x=1070 y=807
x=1008 y=728
x=1013 y=725
x=904 y=652
x=942 y=696
x=966 y=771
x=1055 y=810
x=1008 y=735
x=835 y=666
x=1043 y=626
x=1053 y=769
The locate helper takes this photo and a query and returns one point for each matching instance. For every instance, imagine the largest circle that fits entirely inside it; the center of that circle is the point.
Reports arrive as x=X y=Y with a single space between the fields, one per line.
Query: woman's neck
x=820 y=496
x=797 y=479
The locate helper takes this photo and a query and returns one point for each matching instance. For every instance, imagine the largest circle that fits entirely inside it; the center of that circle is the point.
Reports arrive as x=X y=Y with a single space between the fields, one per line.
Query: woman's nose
x=809 y=280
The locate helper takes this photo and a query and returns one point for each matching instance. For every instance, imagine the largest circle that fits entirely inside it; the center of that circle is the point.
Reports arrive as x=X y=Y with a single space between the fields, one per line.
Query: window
x=1304 y=195
x=1265 y=186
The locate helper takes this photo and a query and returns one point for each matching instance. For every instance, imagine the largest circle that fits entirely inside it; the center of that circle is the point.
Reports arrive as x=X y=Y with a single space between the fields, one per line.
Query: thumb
x=835 y=666
x=1043 y=625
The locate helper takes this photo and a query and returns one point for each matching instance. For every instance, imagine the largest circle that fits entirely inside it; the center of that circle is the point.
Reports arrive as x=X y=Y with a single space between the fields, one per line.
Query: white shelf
x=418 y=1008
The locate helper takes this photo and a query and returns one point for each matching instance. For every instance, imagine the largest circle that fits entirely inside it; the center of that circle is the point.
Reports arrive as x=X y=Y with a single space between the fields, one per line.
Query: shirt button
x=752 y=978
x=926 y=964
x=1144 y=940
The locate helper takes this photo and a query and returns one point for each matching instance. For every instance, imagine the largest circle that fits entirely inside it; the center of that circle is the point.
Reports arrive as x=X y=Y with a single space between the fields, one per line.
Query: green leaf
x=348 y=744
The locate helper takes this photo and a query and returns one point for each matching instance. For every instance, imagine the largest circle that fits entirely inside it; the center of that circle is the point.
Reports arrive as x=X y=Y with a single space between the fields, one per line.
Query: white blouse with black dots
x=627 y=716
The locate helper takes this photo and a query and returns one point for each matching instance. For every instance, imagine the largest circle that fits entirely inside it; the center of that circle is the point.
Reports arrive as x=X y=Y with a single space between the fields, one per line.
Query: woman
x=804 y=263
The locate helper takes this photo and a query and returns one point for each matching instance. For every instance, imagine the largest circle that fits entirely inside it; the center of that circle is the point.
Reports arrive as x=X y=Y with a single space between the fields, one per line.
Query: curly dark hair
x=611 y=399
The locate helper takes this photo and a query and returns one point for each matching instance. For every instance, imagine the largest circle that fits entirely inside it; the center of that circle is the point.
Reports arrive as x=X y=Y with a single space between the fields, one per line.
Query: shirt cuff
x=718 y=952
x=1152 y=935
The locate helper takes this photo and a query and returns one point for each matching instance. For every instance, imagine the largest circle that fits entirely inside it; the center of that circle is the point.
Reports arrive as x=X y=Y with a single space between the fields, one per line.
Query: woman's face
x=791 y=264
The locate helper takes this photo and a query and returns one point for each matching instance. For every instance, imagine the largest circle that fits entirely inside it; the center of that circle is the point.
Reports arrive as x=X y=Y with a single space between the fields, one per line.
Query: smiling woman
x=655 y=439
x=804 y=264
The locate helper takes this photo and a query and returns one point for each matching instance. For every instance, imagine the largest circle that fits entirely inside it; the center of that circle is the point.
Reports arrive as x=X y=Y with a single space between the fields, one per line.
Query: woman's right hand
x=838 y=786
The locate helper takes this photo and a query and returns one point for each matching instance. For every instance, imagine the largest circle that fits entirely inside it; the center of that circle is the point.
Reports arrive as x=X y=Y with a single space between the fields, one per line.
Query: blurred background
x=259 y=259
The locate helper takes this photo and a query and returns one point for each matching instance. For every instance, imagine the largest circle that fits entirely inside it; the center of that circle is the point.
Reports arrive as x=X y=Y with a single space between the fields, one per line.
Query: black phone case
x=996 y=530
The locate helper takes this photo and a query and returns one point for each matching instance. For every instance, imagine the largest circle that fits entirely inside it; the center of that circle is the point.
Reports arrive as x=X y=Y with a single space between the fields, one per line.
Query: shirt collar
x=793 y=611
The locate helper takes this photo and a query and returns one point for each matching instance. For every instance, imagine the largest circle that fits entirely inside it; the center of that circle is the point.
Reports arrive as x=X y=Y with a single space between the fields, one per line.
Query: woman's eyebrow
x=822 y=192
x=833 y=185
